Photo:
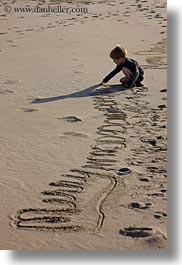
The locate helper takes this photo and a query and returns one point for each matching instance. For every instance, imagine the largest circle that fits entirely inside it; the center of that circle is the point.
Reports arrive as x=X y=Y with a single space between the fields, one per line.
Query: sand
x=82 y=166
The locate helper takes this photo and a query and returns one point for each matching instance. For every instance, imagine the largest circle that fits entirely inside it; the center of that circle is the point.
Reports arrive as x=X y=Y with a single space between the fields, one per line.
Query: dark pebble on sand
x=73 y=119
x=144 y=179
x=163 y=90
x=135 y=205
x=152 y=142
x=162 y=106
x=124 y=171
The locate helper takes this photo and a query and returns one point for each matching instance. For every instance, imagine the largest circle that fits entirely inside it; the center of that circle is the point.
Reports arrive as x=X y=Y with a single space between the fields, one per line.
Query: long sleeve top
x=132 y=65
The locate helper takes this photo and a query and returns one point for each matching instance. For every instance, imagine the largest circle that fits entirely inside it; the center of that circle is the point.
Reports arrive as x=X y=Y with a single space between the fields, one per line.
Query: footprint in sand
x=75 y=134
x=6 y=91
x=163 y=90
x=30 y=109
x=136 y=232
x=151 y=141
x=78 y=72
x=29 y=29
x=158 y=16
x=140 y=232
x=72 y=118
x=11 y=82
x=156 y=195
x=123 y=171
x=144 y=179
x=163 y=106
x=141 y=206
x=160 y=215
x=13 y=45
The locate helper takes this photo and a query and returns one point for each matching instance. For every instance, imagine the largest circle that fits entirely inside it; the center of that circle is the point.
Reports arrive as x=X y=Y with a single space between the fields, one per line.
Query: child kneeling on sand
x=133 y=72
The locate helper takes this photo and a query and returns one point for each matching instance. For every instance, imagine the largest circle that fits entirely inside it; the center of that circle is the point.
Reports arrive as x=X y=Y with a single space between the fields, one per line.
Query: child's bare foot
x=123 y=80
x=129 y=86
x=139 y=84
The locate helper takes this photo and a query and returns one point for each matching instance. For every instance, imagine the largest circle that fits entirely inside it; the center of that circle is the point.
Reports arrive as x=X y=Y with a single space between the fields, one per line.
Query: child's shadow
x=87 y=92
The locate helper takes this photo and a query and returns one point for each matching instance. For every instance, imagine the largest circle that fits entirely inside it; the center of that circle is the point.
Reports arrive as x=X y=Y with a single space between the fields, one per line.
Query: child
x=133 y=72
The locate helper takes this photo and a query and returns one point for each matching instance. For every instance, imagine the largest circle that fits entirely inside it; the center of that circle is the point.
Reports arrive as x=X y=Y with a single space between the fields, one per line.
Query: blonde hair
x=118 y=52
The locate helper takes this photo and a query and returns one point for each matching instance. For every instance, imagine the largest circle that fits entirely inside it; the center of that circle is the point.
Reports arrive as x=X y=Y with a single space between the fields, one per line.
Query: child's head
x=118 y=54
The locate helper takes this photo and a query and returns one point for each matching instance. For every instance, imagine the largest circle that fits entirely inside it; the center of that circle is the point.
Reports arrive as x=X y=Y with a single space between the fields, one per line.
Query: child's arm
x=111 y=75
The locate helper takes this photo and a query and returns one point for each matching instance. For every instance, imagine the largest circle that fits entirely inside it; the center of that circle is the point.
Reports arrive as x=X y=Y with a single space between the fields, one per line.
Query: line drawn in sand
x=75 y=201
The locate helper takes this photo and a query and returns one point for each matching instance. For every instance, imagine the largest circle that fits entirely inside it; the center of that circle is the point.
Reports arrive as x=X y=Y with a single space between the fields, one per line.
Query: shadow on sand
x=87 y=92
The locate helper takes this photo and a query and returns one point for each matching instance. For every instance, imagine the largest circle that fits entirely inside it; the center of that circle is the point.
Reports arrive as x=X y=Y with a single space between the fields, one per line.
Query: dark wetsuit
x=133 y=66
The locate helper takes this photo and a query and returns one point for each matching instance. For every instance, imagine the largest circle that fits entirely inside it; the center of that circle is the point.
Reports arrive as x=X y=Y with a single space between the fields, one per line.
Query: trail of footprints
x=126 y=11
x=149 y=152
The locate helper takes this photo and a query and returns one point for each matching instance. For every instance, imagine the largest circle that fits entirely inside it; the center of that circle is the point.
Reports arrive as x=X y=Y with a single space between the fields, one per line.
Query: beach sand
x=82 y=166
